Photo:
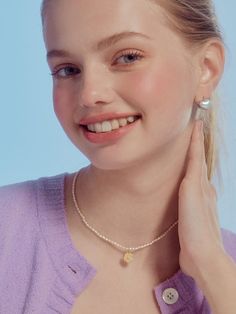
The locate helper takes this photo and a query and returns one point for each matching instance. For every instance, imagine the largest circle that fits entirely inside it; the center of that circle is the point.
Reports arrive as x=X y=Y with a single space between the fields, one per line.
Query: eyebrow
x=101 y=45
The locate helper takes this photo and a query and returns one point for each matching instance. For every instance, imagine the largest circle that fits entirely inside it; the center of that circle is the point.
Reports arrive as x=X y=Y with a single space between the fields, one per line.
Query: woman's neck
x=133 y=210
x=129 y=208
x=133 y=206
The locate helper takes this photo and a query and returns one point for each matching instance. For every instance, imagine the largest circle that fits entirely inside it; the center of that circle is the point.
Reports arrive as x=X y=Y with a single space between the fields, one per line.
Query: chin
x=116 y=162
x=110 y=157
x=109 y=165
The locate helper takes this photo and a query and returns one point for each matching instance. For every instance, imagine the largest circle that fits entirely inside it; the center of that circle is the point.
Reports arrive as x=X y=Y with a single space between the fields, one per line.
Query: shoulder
x=14 y=198
x=19 y=201
x=19 y=190
x=229 y=240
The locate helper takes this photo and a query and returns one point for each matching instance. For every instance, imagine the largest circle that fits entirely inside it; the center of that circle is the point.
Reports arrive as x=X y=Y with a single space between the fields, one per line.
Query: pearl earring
x=205 y=104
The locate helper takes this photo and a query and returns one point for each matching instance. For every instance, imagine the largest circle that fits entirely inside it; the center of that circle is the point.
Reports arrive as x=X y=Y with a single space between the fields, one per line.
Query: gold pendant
x=128 y=257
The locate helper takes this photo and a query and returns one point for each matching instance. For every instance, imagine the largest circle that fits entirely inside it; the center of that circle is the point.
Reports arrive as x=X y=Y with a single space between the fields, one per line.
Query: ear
x=211 y=60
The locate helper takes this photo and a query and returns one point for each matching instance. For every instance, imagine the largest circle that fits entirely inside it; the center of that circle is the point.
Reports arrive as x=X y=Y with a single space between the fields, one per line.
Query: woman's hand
x=202 y=254
x=199 y=230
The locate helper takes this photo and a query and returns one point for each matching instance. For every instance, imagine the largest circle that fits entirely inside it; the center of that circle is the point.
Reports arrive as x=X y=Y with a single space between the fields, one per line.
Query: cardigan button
x=170 y=296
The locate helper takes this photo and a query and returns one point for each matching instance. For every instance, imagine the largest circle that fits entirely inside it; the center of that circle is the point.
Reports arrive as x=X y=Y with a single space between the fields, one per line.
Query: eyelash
x=133 y=53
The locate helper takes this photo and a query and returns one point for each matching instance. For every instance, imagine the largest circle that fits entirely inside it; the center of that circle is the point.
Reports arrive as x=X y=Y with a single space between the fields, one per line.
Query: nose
x=95 y=89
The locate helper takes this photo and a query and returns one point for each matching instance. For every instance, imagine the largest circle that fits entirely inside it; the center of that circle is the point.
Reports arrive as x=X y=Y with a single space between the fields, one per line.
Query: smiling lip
x=104 y=137
x=106 y=116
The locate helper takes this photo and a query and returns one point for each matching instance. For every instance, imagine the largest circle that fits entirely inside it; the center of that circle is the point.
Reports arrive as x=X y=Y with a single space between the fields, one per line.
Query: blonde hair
x=196 y=22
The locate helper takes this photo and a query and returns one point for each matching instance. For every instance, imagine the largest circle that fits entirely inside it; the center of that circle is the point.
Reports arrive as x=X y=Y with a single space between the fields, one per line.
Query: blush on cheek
x=57 y=94
x=62 y=103
x=58 y=102
x=152 y=86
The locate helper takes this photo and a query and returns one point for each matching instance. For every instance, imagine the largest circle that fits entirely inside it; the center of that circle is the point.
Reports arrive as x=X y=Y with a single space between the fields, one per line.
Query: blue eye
x=130 y=56
x=66 y=71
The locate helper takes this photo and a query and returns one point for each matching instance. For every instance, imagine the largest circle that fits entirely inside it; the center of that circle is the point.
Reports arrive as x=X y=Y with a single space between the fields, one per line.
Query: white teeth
x=107 y=126
x=98 y=127
x=130 y=119
x=91 y=127
x=115 y=124
x=123 y=122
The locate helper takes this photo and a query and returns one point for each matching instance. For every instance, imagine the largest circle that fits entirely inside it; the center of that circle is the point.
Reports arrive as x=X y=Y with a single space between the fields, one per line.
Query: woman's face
x=156 y=79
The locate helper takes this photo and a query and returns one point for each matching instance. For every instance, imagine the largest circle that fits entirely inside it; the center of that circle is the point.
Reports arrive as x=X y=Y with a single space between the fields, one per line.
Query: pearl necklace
x=128 y=251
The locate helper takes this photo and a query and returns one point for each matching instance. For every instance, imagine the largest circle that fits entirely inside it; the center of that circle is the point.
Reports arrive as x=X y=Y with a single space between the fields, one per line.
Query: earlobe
x=211 y=61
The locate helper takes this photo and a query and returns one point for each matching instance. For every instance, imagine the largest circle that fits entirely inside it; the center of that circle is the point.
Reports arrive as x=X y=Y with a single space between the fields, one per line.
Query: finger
x=204 y=164
x=195 y=154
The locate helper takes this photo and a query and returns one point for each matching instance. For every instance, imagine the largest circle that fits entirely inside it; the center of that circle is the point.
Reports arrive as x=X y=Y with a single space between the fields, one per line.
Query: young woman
x=137 y=230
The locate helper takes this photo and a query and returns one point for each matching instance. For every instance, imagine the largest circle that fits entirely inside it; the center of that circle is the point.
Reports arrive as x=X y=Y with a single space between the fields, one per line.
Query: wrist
x=217 y=280
x=212 y=267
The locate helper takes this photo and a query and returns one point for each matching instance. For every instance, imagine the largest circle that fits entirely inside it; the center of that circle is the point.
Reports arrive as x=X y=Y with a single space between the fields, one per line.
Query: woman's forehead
x=102 y=12
x=90 y=19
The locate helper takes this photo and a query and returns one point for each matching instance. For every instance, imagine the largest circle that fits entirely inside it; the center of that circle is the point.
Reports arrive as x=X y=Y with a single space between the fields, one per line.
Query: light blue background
x=33 y=143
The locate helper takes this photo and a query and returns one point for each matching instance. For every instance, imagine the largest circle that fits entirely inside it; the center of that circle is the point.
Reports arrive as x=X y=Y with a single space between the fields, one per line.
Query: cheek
x=62 y=102
x=159 y=87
